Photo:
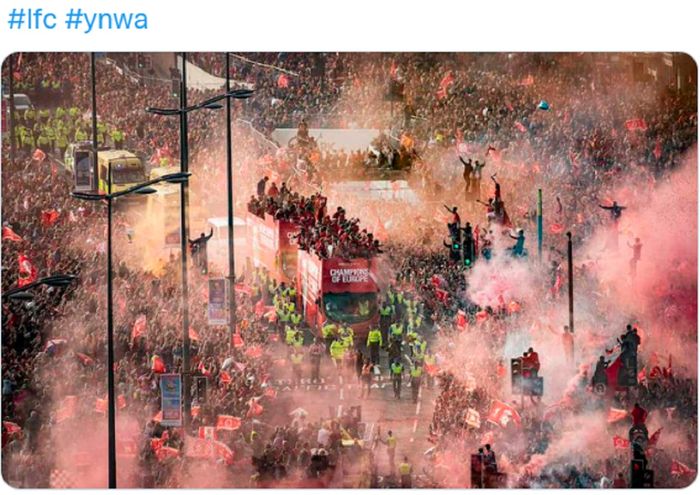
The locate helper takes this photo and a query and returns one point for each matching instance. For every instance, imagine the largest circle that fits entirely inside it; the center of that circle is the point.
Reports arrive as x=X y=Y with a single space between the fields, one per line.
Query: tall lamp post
x=570 y=262
x=94 y=122
x=229 y=191
x=182 y=111
x=143 y=188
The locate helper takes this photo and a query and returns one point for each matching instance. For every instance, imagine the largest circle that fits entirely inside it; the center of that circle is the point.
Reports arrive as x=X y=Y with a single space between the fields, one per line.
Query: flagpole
x=571 y=281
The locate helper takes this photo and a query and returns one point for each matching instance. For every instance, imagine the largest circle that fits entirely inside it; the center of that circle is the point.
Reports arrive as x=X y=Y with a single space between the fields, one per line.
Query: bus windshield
x=128 y=175
x=349 y=307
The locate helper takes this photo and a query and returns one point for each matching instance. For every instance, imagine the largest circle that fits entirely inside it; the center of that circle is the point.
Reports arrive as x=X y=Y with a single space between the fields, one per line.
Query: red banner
x=230 y=423
x=502 y=414
x=348 y=276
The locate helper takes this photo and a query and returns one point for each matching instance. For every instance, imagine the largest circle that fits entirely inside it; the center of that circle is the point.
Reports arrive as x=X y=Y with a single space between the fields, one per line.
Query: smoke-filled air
x=410 y=270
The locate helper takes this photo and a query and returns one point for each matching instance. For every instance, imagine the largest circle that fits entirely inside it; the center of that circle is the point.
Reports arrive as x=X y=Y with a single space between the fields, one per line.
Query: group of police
x=54 y=129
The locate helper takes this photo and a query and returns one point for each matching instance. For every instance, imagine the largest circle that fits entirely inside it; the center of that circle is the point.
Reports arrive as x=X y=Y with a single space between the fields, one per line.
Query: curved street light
x=23 y=294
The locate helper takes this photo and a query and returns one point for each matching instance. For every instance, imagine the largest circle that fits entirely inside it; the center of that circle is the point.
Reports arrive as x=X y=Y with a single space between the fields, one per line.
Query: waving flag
x=615 y=415
x=157 y=364
x=255 y=408
x=620 y=443
x=207 y=432
x=502 y=414
x=636 y=125
x=27 y=271
x=461 y=319
x=49 y=217
x=680 y=469
x=11 y=428
x=654 y=439
x=230 y=423
x=9 y=235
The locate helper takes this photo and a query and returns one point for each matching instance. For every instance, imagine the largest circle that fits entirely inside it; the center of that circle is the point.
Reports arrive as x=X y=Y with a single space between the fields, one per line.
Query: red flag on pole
x=9 y=235
x=230 y=423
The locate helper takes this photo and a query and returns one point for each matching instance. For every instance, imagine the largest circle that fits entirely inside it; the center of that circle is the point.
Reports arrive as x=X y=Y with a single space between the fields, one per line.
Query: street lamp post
x=93 y=88
x=229 y=189
x=182 y=111
x=143 y=188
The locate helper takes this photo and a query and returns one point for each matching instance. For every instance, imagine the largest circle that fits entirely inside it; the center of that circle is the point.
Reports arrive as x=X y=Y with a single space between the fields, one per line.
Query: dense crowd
x=485 y=107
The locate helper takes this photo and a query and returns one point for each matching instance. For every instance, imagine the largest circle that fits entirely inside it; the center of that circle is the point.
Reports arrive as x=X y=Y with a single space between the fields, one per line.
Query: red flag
x=193 y=334
x=207 y=432
x=49 y=217
x=502 y=414
x=224 y=422
x=222 y=451
x=654 y=439
x=9 y=235
x=255 y=408
x=11 y=428
x=442 y=295
x=283 y=81
x=636 y=125
x=620 y=443
x=237 y=340
x=444 y=84
x=157 y=364
x=680 y=469
x=270 y=392
x=158 y=417
x=461 y=319
x=519 y=126
x=225 y=377
x=482 y=316
x=611 y=372
x=27 y=271
x=67 y=408
x=615 y=415
x=139 y=327
x=642 y=375
x=38 y=155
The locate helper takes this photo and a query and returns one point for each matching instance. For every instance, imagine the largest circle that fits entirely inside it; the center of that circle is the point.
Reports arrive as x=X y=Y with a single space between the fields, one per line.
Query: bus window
x=127 y=175
x=349 y=307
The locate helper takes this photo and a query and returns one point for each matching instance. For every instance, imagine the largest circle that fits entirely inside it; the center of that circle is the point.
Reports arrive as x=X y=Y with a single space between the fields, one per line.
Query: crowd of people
x=485 y=108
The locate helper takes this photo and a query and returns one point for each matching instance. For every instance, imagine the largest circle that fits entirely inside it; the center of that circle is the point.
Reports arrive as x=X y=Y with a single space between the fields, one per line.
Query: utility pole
x=229 y=190
x=184 y=238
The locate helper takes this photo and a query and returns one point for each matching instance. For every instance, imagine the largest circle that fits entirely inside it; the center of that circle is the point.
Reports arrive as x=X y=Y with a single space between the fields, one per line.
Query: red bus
x=344 y=292
x=274 y=246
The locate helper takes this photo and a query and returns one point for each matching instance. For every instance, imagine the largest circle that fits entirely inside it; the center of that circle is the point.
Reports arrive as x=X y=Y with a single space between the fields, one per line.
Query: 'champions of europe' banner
x=170 y=399
x=217 y=301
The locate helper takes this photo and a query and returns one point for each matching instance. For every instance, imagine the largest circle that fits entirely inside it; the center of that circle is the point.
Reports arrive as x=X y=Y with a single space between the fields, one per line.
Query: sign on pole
x=171 y=399
x=217 y=312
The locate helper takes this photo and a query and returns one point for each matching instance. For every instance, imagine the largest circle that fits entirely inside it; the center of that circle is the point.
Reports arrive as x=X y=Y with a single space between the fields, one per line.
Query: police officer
x=385 y=314
x=374 y=342
x=289 y=334
x=328 y=333
x=405 y=473
x=117 y=138
x=391 y=442
x=396 y=332
x=348 y=337
x=337 y=350
x=396 y=375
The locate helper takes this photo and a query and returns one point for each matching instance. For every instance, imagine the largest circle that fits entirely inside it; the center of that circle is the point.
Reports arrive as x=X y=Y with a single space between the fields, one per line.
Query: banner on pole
x=171 y=399
x=217 y=301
